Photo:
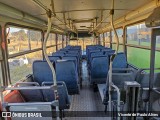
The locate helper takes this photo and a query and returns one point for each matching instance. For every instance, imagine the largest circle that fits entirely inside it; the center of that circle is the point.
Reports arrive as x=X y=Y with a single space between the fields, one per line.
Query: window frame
x=133 y=45
x=23 y=27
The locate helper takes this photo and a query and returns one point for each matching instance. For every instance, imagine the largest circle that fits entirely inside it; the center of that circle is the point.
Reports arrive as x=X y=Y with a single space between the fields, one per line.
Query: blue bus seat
x=30 y=95
x=53 y=58
x=118 y=79
x=74 y=59
x=120 y=61
x=99 y=69
x=42 y=72
x=66 y=71
x=64 y=98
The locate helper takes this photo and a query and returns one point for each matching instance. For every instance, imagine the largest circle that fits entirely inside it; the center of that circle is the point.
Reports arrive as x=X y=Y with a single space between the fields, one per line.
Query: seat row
x=67 y=74
x=98 y=58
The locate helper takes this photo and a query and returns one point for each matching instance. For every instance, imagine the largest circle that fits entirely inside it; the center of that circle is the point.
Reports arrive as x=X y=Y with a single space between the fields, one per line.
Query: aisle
x=87 y=102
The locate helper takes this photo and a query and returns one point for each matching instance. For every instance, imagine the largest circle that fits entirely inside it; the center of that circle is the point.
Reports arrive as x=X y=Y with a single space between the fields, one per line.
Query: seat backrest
x=31 y=95
x=92 y=51
x=99 y=67
x=74 y=59
x=120 y=61
x=143 y=79
x=64 y=100
x=42 y=72
x=109 y=52
x=58 y=54
x=67 y=72
x=73 y=55
x=96 y=54
x=53 y=58
x=119 y=78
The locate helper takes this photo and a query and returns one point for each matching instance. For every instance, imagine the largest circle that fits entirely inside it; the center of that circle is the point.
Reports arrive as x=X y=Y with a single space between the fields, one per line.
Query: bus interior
x=79 y=60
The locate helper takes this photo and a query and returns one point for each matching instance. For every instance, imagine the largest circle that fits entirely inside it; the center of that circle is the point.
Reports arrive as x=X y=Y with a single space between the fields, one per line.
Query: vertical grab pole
x=113 y=28
x=49 y=13
x=111 y=62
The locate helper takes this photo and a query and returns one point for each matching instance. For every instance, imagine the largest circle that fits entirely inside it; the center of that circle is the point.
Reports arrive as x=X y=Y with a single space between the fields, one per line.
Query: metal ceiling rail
x=53 y=12
x=84 y=10
x=145 y=9
x=102 y=21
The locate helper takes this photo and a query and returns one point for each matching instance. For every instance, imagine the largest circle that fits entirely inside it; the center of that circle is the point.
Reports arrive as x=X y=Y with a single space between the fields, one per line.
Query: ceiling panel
x=76 y=9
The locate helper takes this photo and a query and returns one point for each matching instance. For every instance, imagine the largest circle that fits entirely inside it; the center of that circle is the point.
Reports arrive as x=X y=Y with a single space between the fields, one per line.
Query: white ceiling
x=77 y=9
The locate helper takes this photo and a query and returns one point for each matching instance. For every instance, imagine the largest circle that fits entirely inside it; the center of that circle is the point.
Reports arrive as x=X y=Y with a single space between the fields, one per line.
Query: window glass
x=157 y=55
x=59 y=39
x=101 y=39
x=73 y=42
x=64 y=41
x=120 y=47
x=157 y=59
x=139 y=34
x=120 y=35
x=35 y=38
x=17 y=40
x=51 y=39
x=158 y=42
x=22 y=39
x=107 y=37
x=50 y=50
x=21 y=66
x=59 y=46
x=138 y=57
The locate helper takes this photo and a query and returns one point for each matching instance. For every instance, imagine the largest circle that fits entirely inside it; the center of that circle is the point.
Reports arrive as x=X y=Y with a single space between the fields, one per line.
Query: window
x=21 y=66
x=120 y=36
x=107 y=39
x=17 y=40
x=59 y=42
x=50 y=50
x=51 y=39
x=101 y=39
x=114 y=47
x=139 y=34
x=138 y=57
x=64 y=40
x=35 y=39
x=22 y=39
x=157 y=55
x=73 y=42
x=158 y=42
x=51 y=43
x=59 y=39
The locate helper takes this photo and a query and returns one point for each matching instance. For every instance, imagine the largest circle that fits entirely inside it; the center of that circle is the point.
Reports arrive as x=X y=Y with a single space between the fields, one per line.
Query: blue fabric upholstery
x=120 y=61
x=53 y=58
x=73 y=55
x=64 y=99
x=42 y=72
x=31 y=95
x=96 y=54
x=118 y=79
x=58 y=54
x=99 y=69
x=73 y=58
x=109 y=52
x=66 y=71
